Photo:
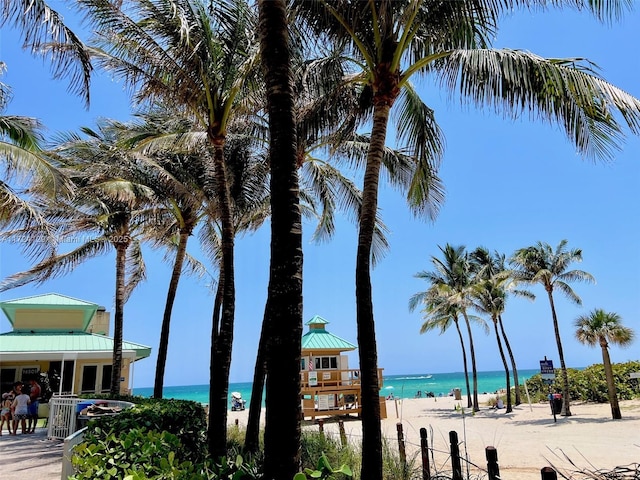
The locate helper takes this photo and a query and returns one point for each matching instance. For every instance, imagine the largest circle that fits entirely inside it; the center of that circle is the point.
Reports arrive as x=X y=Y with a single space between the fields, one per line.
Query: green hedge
x=590 y=384
x=153 y=440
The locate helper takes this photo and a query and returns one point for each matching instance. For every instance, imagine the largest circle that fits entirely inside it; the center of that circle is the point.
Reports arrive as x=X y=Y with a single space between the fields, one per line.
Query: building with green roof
x=329 y=386
x=66 y=337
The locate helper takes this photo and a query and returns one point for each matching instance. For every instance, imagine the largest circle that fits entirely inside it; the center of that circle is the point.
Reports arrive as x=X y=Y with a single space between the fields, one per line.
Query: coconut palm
x=389 y=42
x=541 y=264
x=454 y=272
x=439 y=312
x=488 y=266
x=602 y=328
x=200 y=59
x=489 y=297
x=284 y=299
x=106 y=212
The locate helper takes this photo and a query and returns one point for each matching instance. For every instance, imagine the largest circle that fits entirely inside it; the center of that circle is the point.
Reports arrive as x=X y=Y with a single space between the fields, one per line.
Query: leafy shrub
x=184 y=419
x=589 y=384
x=114 y=455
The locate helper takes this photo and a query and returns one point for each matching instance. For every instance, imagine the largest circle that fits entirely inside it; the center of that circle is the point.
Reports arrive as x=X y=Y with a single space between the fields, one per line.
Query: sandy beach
x=526 y=439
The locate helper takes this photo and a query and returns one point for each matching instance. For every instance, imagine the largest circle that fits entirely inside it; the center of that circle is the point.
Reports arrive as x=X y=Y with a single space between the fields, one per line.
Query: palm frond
x=563 y=91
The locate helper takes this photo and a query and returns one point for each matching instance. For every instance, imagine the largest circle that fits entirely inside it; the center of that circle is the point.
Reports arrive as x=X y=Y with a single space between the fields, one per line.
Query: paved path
x=30 y=456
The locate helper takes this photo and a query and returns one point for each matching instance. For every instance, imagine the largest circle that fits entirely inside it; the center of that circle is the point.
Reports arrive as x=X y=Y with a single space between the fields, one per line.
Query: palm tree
x=199 y=59
x=284 y=299
x=107 y=211
x=602 y=328
x=389 y=42
x=488 y=266
x=541 y=264
x=439 y=312
x=454 y=272
x=489 y=297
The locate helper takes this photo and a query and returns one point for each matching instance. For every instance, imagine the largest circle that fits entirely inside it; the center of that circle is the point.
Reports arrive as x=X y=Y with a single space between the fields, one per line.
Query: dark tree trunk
x=367 y=345
x=474 y=371
x=464 y=361
x=284 y=299
x=118 y=318
x=222 y=347
x=512 y=359
x=163 y=346
x=611 y=386
x=252 y=436
x=563 y=368
x=505 y=364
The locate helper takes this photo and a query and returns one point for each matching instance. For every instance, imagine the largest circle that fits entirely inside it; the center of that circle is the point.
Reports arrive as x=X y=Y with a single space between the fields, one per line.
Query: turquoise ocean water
x=402 y=386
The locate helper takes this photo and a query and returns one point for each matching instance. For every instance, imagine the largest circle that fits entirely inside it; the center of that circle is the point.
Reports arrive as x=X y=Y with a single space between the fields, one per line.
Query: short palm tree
x=602 y=328
x=541 y=264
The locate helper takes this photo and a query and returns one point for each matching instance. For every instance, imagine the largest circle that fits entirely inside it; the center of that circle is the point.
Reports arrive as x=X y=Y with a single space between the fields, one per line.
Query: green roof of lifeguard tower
x=317 y=338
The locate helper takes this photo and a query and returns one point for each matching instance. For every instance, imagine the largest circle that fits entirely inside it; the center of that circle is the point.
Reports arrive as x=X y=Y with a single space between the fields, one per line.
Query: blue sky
x=509 y=184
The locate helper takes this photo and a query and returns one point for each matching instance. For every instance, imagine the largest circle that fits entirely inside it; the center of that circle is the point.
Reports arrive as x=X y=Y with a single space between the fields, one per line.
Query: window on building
x=326 y=363
x=106 y=378
x=89 y=377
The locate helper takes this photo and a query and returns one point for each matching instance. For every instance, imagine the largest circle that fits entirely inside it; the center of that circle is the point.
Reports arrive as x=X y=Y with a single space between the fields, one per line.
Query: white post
x=528 y=398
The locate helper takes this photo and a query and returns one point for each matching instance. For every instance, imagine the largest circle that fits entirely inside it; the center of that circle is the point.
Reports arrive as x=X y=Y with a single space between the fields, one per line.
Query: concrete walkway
x=33 y=456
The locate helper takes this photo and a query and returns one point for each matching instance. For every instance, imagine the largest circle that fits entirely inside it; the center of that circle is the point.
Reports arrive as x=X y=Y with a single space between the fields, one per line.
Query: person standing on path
x=20 y=408
x=34 y=396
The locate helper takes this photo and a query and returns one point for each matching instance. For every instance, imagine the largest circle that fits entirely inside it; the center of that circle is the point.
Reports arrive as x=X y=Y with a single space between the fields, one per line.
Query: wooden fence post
x=492 y=463
x=455 y=456
x=321 y=425
x=424 y=448
x=548 y=473
x=401 y=446
x=343 y=435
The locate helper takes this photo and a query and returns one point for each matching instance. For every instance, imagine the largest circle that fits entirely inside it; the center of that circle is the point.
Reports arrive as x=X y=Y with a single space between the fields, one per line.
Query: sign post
x=548 y=376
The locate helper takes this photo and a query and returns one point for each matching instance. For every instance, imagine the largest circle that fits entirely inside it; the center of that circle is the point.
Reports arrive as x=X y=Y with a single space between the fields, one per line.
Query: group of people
x=20 y=407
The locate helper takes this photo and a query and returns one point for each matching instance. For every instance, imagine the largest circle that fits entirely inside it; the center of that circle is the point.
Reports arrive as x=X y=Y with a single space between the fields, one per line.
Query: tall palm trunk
x=371 y=429
x=611 y=386
x=284 y=298
x=221 y=349
x=505 y=364
x=168 y=308
x=512 y=359
x=252 y=435
x=118 y=318
x=464 y=361
x=474 y=371
x=563 y=369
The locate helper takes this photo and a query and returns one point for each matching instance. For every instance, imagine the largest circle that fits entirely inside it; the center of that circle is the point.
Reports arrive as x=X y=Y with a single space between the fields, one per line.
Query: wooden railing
x=333 y=379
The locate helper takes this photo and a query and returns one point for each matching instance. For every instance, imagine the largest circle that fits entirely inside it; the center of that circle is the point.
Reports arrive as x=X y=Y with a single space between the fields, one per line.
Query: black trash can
x=557 y=402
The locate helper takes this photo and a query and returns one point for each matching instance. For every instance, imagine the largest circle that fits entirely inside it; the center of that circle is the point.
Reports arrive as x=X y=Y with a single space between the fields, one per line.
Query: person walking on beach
x=20 y=408
x=34 y=396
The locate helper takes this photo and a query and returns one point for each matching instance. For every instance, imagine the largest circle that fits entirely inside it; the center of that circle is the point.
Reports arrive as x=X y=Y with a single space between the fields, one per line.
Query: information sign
x=546 y=370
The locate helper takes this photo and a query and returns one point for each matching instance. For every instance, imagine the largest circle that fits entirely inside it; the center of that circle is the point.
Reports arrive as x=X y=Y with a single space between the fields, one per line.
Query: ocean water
x=402 y=386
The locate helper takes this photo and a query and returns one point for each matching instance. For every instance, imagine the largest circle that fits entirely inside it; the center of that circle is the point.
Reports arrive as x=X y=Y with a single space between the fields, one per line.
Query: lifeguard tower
x=329 y=387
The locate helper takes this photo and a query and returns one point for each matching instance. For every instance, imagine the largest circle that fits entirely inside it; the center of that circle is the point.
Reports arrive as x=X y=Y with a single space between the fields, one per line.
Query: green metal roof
x=55 y=342
x=50 y=301
x=317 y=320
x=317 y=338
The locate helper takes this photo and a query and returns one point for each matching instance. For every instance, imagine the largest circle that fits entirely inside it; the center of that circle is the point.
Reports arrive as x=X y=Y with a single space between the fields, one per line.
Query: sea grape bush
x=590 y=384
